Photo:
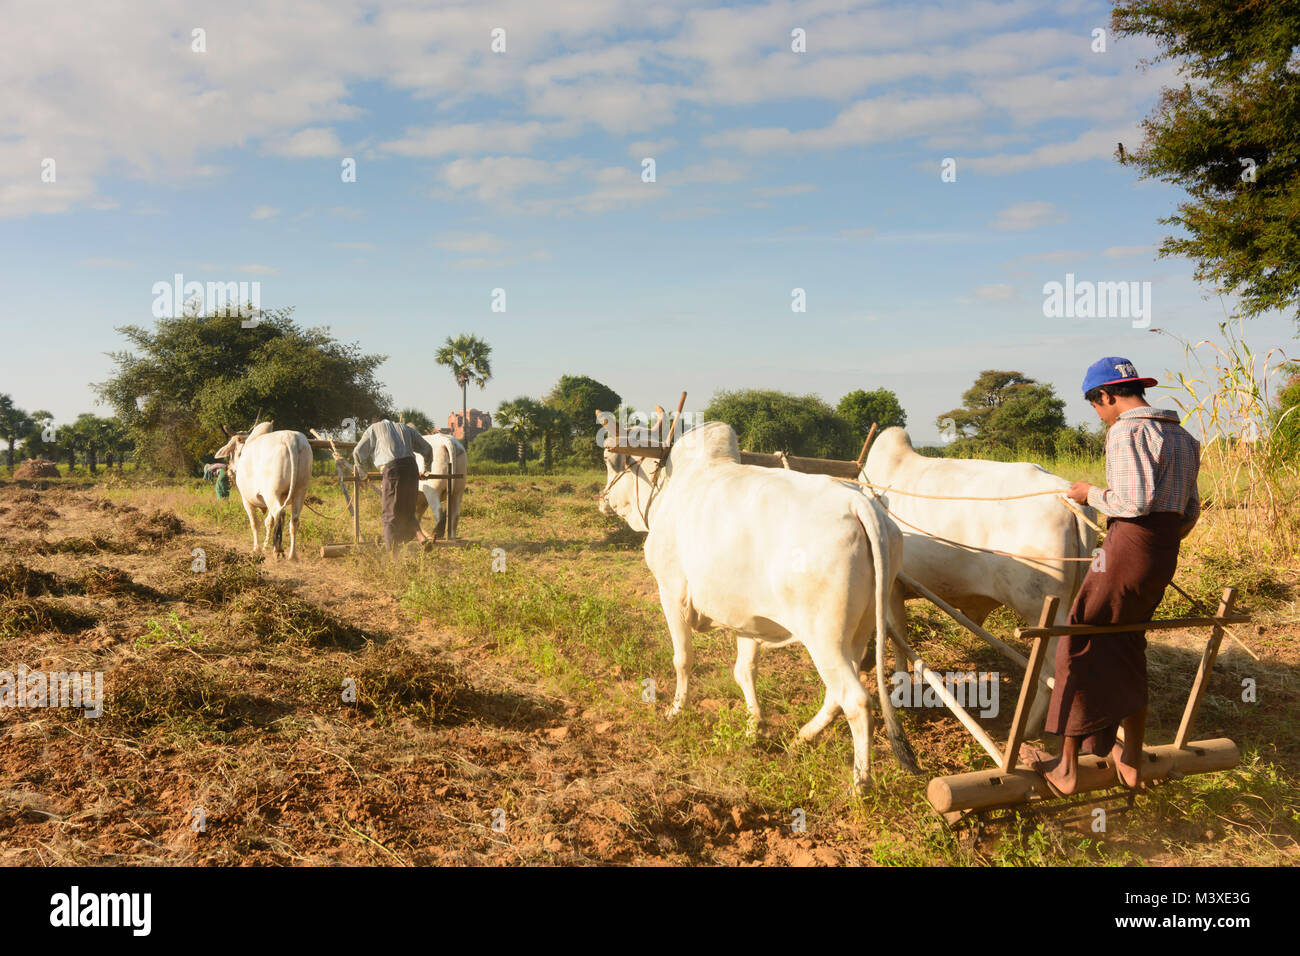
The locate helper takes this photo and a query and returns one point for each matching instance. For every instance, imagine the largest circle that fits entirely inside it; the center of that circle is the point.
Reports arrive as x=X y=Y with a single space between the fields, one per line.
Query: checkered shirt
x=1151 y=465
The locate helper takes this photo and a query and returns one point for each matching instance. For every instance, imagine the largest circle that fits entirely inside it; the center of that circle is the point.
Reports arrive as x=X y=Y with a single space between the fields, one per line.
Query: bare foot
x=1129 y=775
x=1037 y=759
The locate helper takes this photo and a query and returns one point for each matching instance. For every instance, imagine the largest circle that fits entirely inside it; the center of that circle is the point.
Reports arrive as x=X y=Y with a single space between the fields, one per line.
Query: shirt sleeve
x=1130 y=473
x=423 y=447
x=364 y=449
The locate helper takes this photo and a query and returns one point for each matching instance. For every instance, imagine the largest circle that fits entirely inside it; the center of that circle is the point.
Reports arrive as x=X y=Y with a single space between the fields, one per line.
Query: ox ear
x=228 y=449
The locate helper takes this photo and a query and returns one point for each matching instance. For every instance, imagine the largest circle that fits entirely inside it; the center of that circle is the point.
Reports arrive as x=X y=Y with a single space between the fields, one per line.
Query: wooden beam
x=1203 y=672
x=1030 y=685
x=862 y=458
x=1006 y=649
x=960 y=712
x=808 y=466
x=994 y=789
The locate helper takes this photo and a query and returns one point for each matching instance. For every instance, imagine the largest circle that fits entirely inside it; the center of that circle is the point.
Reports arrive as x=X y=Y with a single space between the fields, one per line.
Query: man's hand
x=1079 y=492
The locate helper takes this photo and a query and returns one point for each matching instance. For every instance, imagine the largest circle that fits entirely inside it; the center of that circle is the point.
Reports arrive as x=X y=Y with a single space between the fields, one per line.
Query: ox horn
x=226 y=430
x=657 y=427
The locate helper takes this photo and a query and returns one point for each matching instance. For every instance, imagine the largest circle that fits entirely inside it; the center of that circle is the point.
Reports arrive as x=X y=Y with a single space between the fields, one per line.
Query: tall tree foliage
x=14 y=424
x=861 y=408
x=1006 y=409
x=1228 y=136
x=579 y=397
x=769 y=421
x=193 y=374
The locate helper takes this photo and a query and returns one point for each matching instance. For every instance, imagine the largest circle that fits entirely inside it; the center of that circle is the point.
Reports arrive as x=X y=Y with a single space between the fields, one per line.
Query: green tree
x=494 y=446
x=1005 y=409
x=1228 y=136
x=553 y=428
x=34 y=443
x=195 y=373
x=769 y=421
x=417 y=420
x=579 y=398
x=468 y=358
x=1284 y=423
x=861 y=408
x=521 y=419
x=14 y=424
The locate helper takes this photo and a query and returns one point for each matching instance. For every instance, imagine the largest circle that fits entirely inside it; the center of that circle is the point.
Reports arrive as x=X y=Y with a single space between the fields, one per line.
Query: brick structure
x=478 y=422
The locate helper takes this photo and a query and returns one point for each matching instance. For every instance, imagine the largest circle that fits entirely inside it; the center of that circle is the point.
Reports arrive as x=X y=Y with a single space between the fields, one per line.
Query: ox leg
x=252 y=523
x=838 y=668
x=683 y=649
x=745 y=670
x=829 y=711
x=268 y=530
x=453 y=513
x=293 y=535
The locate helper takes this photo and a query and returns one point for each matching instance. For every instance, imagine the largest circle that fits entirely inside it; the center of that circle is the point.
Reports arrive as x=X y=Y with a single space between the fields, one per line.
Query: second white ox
x=777 y=556
x=1035 y=529
x=272 y=471
x=448 y=455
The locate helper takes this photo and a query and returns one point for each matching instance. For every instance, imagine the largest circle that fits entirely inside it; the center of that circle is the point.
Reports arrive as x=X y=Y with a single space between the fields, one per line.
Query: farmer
x=219 y=474
x=392 y=448
x=1152 y=503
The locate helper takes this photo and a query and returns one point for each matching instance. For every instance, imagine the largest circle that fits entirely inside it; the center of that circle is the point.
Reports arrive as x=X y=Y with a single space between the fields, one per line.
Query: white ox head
x=633 y=482
x=234 y=448
x=628 y=478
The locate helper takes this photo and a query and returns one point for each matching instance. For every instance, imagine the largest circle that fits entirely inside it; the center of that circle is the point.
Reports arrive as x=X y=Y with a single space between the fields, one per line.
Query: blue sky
x=521 y=171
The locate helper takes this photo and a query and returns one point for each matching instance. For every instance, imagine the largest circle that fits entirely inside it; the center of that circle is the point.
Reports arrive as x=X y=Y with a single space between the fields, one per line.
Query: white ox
x=272 y=471
x=448 y=455
x=776 y=556
x=976 y=582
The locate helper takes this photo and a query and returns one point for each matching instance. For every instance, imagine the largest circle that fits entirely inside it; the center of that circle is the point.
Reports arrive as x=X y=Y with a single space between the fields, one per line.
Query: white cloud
x=259 y=270
x=998 y=292
x=264 y=212
x=887 y=118
x=793 y=189
x=1129 y=252
x=307 y=143
x=477 y=242
x=1023 y=216
x=462 y=139
x=353 y=245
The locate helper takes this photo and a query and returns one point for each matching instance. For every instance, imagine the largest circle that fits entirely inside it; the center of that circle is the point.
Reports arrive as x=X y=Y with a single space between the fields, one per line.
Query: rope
x=970 y=547
x=877 y=489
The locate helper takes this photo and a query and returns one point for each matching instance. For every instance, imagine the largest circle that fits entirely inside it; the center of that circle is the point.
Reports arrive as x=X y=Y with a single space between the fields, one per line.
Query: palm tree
x=417 y=420
x=14 y=422
x=522 y=419
x=467 y=357
x=553 y=426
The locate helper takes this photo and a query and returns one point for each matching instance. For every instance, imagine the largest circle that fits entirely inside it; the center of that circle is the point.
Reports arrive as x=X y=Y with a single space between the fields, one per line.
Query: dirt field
x=498 y=715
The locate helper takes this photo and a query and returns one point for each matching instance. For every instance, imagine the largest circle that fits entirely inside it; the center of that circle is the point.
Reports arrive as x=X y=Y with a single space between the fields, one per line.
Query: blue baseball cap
x=1112 y=371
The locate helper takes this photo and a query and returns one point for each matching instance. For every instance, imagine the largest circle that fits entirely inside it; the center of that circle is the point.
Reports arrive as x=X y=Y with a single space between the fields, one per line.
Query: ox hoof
x=673 y=712
x=757 y=728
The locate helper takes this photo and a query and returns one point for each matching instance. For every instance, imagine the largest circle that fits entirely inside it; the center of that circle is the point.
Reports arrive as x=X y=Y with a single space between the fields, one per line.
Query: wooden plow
x=1011 y=788
x=351 y=476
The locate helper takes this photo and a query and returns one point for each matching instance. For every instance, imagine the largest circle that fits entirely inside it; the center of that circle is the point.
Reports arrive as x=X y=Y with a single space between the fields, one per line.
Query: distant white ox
x=976 y=582
x=272 y=471
x=448 y=455
x=777 y=556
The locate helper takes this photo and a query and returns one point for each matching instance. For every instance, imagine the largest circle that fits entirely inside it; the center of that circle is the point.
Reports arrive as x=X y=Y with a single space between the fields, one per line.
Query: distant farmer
x=392 y=448
x=218 y=474
x=1152 y=502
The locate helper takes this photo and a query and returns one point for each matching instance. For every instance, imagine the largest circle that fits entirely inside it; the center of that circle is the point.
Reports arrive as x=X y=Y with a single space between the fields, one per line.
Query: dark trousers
x=399 y=483
x=1102 y=678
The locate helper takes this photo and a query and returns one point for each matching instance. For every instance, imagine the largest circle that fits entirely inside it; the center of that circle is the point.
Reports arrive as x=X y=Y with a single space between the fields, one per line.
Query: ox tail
x=288 y=498
x=884 y=575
